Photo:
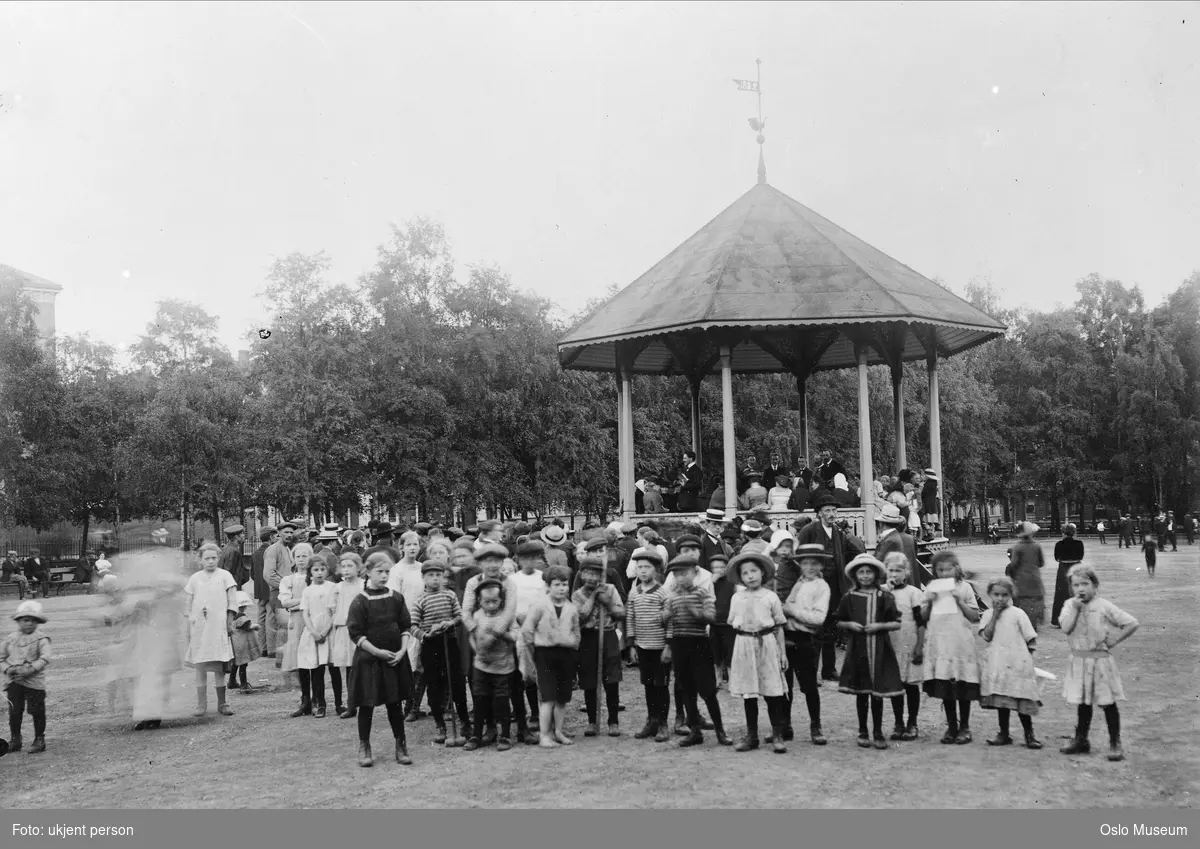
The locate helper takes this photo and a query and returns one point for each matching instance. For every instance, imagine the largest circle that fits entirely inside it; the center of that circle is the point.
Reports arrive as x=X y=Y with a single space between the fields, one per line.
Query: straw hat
x=712 y=514
x=866 y=560
x=553 y=534
x=30 y=610
x=812 y=551
x=1027 y=529
x=758 y=559
x=888 y=514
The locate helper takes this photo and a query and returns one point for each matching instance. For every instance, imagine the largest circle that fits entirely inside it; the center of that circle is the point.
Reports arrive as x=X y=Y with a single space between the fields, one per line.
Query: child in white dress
x=759 y=655
x=317 y=603
x=211 y=607
x=951 y=662
x=341 y=649
x=908 y=643
x=1008 y=678
x=1094 y=626
x=291 y=590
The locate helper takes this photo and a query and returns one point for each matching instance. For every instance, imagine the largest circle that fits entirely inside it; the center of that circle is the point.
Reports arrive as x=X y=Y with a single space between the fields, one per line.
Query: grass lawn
x=260 y=758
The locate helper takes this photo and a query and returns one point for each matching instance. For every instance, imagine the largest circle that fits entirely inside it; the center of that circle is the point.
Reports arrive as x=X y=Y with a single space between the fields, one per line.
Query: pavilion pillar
x=898 y=412
x=866 y=473
x=727 y=430
x=802 y=391
x=695 y=387
x=935 y=417
x=625 y=472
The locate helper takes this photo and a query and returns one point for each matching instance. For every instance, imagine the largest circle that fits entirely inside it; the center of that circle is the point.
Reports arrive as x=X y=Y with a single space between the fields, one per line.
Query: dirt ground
x=260 y=758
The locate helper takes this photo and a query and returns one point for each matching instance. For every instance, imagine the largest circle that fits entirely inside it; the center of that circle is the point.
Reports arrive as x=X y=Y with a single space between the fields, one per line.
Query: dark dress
x=1067 y=551
x=870 y=665
x=382 y=617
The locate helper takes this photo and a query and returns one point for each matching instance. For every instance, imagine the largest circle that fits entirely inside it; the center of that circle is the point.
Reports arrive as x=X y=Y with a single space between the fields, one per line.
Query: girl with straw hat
x=759 y=656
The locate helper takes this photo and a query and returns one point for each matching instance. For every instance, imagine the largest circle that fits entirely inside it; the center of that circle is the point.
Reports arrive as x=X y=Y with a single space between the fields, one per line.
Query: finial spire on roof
x=757 y=124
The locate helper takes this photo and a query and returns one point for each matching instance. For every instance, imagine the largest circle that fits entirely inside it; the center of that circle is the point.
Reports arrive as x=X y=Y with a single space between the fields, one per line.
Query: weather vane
x=758 y=124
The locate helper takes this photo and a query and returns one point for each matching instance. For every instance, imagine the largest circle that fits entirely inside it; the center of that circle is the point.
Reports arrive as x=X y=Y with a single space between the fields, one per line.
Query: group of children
x=530 y=633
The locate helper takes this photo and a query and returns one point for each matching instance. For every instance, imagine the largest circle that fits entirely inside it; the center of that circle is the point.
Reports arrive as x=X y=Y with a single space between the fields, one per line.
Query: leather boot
x=777 y=741
x=222 y=707
x=364 y=753
x=1116 y=751
x=1079 y=745
x=402 y=752
x=818 y=739
x=201 y=701
x=14 y=745
x=648 y=730
x=39 y=745
x=305 y=709
x=663 y=732
x=748 y=743
x=694 y=738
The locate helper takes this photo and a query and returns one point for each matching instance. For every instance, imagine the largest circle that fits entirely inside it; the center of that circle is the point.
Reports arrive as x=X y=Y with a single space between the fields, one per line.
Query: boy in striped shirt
x=687 y=613
x=645 y=628
x=435 y=617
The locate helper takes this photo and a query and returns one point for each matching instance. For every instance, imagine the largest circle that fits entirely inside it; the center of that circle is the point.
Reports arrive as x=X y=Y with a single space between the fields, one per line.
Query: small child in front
x=245 y=644
x=436 y=616
x=870 y=670
x=596 y=601
x=687 y=613
x=1094 y=626
x=644 y=627
x=493 y=636
x=759 y=655
x=552 y=628
x=1008 y=680
x=24 y=656
x=806 y=610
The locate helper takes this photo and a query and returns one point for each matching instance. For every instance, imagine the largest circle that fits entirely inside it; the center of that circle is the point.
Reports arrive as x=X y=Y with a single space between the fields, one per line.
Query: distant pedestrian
x=1150 y=551
x=1025 y=569
x=1067 y=552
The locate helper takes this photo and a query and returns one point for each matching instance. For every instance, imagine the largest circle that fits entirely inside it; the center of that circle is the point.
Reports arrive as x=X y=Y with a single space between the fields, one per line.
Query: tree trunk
x=216 y=519
x=87 y=521
x=183 y=521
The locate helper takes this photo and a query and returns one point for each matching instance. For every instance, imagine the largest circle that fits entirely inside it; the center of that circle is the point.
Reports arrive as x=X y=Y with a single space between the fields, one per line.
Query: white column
x=727 y=430
x=625 y=473
x=802 y=390
x=866 y=473
x=898 y=412
x=695 y=390
x=935 y=421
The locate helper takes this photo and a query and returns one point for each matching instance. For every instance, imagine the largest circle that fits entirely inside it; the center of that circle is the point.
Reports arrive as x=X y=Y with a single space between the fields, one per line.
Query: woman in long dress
x=1067 y=551
x=1025 y=568
x=211 y=606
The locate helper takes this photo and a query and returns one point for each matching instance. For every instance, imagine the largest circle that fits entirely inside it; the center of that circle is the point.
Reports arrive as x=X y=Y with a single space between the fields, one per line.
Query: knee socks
x=318 y=685
x=612 y=699
x=813 y=700
x=1002 y=716
x=750 y=706
x=777 y=710
x=590 y=701
x=875 y=704
x=335 y=680
x=680 y=710
x=964 y=714
x=395 y=715
x=1112 y=718
x=305 y=676
x=951 y=715
x=913 y=693
x=961 y=720
x=898 y=710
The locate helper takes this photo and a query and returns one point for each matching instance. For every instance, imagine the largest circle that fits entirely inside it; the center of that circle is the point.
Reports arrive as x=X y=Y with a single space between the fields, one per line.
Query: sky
x=152 y=151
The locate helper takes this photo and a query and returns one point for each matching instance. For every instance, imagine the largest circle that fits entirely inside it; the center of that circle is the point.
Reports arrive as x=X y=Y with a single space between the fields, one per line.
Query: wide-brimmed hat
x=759 y=559
x=491 y=549
x=383 y=529
x=30 y=610
x=712 y=514
x=930 y=473
x=687 y=539
x=888 y=513
x=866 y=560
x=553 y=534
x=752 y=526
x=243 y=599
x=1027 y=529
x=812 y=551
x=681 y=561
x=432 y=566
x=825 y=501
x=647 y=554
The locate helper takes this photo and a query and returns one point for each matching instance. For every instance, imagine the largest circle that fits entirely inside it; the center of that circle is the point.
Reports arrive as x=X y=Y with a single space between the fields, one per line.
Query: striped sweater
x=643 y=616
x=430 y=610
x=687 y=613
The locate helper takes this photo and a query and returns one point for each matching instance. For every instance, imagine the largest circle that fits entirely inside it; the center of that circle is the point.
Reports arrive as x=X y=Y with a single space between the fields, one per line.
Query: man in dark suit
x=689 y=483
x=231 y=555
x=37 y=568
x=828 y=468
x=711 y=543
x=771 y=472
x=262 y=590
x=841 y=550
x=10 y=572
x=892 y=537
x=1126 y=530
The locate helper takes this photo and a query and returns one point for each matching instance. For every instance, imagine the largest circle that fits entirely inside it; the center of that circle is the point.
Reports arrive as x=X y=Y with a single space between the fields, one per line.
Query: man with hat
x=714 y=523
x=37 y=569
x=10 y=572
x=930 y=508
x=262 y=590
x=888 y=524
x=559 y=552
x=841 y=551
x=277 y=564
x=689 y=483
x=382 y=539
x=598 y=548
x=629 y=542
x=231 y=555
x=327 y=548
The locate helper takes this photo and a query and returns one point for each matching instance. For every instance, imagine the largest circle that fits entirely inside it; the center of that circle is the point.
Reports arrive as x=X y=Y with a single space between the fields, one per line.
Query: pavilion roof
x=789 y=289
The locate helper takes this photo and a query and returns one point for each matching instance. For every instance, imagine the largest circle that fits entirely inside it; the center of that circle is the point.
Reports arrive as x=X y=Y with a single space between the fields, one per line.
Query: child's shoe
x=964 y=736
x=614 y=730
x=879 y=742
x=864 y=740
x=694 y=738
x=39 y=746
x=489 y=737
x=748 y=743
x=723 y=738
x=503 y=744
x=440 y=735
x=456 y=742
x=402 y=753
x=663 y=734
x=911 y=732
x=777 y=741
x=305 y=709
x=949 y=737
x=532 y=737
x=648 y=730
x=1032 y=742
x=1116 y=751
x=591 y=730
x=246 y=689
x=681 y=730
x=348 y=713
x=789 y=733
x=818 y=739
x=364 y=754
x=1000 y=739
x=471 y=745
x=1078 y=746
x=897 y=733
x=706 y=725
x=14 y=745
x=320 y=712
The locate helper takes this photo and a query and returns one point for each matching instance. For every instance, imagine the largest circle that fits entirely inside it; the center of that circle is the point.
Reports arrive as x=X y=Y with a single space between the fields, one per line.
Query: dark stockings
x=612 y=700
x=876 y=708
x=913 y=694
x=953 y=721
x=1111 y=716
x=335 y=679
x=1003 y=716
x=395 y=715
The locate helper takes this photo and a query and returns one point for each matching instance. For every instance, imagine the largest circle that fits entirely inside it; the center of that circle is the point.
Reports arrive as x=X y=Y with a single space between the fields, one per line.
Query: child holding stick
x=600 y=608
x=436 y=616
